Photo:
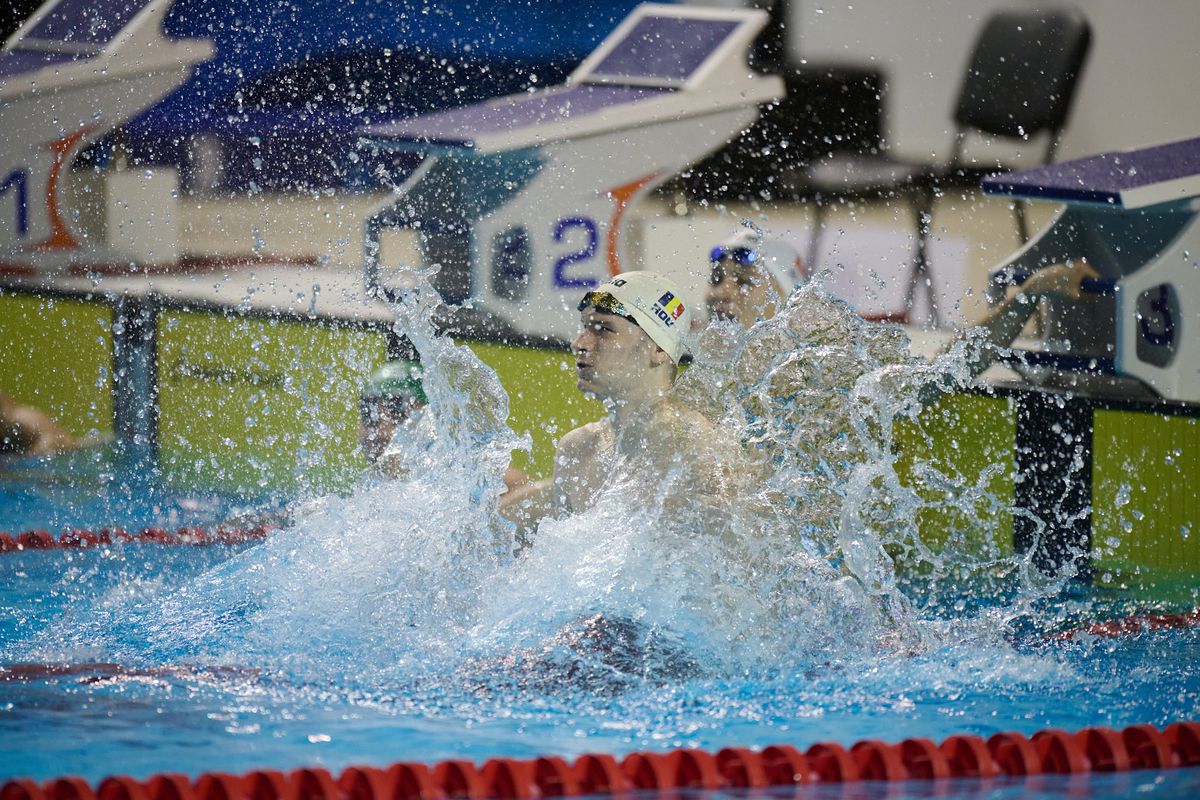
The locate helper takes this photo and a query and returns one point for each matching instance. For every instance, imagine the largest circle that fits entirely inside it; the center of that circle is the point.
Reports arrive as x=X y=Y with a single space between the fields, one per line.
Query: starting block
x=522 y=201
x=69 y=75
x=1133 y=216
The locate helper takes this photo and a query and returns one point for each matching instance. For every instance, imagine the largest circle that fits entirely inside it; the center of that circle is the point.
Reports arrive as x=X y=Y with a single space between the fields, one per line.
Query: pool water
x=141 y=698
x=101 y=719
x=99 y=487
x=396 y=622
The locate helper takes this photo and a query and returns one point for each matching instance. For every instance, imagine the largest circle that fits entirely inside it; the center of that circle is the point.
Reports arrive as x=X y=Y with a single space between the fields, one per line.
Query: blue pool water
x=193 y=716
x=96 y=487
x=139 y=703
x=395 y=622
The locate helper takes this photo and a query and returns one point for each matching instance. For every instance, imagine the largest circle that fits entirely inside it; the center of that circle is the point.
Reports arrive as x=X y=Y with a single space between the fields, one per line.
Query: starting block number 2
x=564 y=231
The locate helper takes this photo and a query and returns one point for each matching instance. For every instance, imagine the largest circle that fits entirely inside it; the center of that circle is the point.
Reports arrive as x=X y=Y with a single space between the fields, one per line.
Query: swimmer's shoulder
x=674 y=419
x=585 y=439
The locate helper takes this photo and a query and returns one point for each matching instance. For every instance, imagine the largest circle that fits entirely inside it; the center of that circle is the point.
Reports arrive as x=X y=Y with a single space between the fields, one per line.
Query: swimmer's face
x=741 y=293
x=612 y=354
x=379 y=419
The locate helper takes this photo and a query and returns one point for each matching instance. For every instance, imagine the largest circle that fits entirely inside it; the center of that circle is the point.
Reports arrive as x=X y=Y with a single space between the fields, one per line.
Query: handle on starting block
x=1001 y=279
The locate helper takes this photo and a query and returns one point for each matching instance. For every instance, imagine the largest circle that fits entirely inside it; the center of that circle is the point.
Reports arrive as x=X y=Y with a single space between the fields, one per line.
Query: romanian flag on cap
x=670 y=304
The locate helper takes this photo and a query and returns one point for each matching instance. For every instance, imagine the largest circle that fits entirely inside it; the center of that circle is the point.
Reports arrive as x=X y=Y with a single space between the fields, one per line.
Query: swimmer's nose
x=716 y=293
x=577 y=346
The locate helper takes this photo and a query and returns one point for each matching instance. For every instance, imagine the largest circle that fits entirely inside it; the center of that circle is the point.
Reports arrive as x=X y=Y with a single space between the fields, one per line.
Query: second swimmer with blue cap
x=632 y=338
x=751 y=277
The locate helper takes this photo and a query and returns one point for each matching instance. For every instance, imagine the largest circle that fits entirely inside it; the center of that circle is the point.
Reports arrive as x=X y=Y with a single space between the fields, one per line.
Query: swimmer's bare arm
x=711 y=469
x=526 y=505
x=530 y=503
x=998 y=330
x=26 y=429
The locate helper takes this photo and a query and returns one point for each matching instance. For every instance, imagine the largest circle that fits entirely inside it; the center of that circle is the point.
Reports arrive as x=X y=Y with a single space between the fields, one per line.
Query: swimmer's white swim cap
x=653 y=302
x=777 y=257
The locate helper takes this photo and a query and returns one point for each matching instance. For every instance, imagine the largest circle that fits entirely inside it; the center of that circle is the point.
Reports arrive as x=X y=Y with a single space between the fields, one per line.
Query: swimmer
x=392 y=402
x=1000 y=328
x=391 y=397
x=599 y=654
x=26 y=430
x=751 y=277
x=626 y=355
x=803 y=366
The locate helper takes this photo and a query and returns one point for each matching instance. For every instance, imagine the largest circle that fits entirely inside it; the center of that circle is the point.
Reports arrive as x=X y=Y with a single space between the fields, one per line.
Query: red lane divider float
x=1010 y=754
x=1132 y=625
x=44 y=540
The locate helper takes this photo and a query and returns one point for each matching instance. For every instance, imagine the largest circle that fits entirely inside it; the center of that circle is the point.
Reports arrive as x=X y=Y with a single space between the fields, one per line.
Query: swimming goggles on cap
x=603 y=301
x=741 y=255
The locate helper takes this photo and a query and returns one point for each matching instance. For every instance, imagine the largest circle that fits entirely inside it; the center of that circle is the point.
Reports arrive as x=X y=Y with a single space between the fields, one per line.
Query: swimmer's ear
x=659 y=357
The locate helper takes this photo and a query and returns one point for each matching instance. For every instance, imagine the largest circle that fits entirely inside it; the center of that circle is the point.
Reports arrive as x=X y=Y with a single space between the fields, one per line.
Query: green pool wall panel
x=1145 y=499
x=968 y=438
x=250 y=404
x=56 y=354
x=253 y=404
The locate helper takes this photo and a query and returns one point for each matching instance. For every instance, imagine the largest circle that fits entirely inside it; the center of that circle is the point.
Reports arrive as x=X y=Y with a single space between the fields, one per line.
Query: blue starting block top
x=661 y=51
x=68 y=30
x=463 y=126
x=1128 y=179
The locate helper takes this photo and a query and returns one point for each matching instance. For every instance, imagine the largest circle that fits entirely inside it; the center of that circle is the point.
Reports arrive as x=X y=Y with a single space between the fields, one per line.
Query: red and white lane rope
x=1133 y=625
x=966 y=756
x=44 y=540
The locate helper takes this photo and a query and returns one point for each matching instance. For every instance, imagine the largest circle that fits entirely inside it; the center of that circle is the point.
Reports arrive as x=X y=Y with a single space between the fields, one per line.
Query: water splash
x=408 y=581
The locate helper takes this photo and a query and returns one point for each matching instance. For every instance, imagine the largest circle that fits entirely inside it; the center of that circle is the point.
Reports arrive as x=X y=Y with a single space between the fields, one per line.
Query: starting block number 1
x=16 y=181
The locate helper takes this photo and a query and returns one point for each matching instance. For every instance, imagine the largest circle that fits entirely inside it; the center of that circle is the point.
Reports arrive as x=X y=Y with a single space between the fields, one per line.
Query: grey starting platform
x=521 y=201
x=1133 y=216
x=73 y=72
x=1124 y=179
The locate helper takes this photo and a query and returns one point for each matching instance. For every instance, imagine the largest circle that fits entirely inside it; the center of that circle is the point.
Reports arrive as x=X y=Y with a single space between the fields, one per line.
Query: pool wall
x=246 y=401
x=56 y=352
x=255 y=401
x=1117 y=480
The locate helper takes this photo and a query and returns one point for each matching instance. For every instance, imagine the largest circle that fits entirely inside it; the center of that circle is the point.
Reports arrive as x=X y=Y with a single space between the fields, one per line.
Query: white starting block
x=1133 y=216
x=71 y=73
x=521 y=200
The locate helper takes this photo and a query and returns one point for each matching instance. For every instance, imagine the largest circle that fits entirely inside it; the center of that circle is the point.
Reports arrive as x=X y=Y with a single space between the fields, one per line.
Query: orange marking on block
x=623 y=195
x=60 y=237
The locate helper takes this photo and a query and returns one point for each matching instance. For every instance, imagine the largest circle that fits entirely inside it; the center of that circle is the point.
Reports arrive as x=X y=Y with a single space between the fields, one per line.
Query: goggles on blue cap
x=740 y=255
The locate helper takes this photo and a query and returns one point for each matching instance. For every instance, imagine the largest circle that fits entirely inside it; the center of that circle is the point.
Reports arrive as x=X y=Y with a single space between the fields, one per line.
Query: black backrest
x=1023 y=72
